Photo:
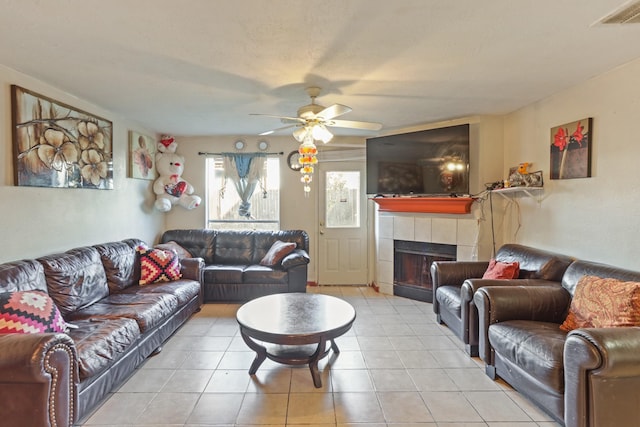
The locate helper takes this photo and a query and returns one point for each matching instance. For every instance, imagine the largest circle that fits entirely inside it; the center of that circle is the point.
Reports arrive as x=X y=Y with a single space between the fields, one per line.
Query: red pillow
x=29 y=312
x=502 y=270
x=157 y=265
x=277 y=251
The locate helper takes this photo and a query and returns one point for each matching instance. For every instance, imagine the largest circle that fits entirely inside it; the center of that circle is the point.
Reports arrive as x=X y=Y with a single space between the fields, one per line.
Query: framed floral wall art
x=142 y=151
x=56 y=145
x=571 y=150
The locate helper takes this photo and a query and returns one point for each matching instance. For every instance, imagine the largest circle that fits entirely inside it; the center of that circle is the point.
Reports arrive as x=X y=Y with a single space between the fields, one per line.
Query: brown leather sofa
x=455 y=282
x=56 y=379
x=585 y=378
x=232 y=269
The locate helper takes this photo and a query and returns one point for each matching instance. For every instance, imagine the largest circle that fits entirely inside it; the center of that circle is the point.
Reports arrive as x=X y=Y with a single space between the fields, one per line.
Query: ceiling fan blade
x=284 y=119
x=332 y=111
x=269 y=132
x=354 y=125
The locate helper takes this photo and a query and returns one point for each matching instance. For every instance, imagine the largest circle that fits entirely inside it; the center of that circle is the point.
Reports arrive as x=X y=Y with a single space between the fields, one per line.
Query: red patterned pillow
x=29 y=312
x=603 y=303
x=502 y=270
x=157 y=265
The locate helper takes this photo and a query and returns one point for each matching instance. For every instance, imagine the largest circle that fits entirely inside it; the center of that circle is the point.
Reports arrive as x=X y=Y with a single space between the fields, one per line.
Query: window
x=342 y=197
x=223 y=206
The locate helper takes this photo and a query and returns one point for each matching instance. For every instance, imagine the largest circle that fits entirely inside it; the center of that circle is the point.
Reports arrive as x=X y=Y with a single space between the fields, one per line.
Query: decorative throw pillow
x=278 y=250
x=29 y=312
x=157 y=265
x=502 y=270
x=603 y=303
x=175 y=247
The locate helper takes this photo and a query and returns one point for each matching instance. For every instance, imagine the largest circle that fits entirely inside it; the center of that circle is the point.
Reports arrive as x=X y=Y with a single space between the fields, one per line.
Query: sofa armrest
x=453 y=273
x=38 y=378
x=297 y=257
x=602 y=371
x=192 y=268
x=470 y=286
x=500 y=303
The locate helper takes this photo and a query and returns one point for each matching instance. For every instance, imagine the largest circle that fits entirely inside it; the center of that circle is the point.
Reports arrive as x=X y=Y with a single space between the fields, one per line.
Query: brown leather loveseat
x=455 y=282
x=588 y=377
x=232 y=258
x=56 y=379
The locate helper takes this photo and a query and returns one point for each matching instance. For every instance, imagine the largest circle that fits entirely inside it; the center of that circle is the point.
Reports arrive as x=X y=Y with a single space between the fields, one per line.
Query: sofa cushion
x=184 y=290
x=536 y=347
x=101 y=342
x=121 y=264
x=29 y=312
x=277 y=252
x=157 y=265
x=148 y=310
x=502 y=270
x=603 y=303
x=75 y=279
x=218 y=273
x=22 y=275
x=262 y=274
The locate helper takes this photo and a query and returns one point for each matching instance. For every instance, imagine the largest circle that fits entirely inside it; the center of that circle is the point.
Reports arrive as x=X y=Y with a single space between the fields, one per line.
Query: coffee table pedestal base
x=309 y=354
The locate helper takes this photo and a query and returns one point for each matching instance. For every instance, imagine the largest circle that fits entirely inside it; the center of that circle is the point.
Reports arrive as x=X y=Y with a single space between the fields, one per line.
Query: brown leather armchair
x=585 y=378
x=455 y=282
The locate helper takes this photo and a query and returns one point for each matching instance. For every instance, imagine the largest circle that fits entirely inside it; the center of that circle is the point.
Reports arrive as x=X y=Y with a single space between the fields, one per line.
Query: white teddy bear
x=170 y=188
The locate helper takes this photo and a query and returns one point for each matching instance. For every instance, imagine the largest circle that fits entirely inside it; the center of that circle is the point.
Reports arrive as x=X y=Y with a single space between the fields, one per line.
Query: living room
x=589 y=218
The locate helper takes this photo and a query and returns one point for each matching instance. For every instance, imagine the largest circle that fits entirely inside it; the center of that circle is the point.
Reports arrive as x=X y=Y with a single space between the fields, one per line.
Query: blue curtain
x=245 y=171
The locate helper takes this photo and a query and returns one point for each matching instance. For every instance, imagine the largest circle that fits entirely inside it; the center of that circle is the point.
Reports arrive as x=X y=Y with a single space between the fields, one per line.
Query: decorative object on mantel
x=170 y=188
x=571 y=150
x=56 y=145
x=142 y=151
x=446 y=205
x=519 y=176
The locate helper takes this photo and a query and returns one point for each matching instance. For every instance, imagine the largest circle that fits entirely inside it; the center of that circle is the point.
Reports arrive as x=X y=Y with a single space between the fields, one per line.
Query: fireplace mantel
x=445 y=205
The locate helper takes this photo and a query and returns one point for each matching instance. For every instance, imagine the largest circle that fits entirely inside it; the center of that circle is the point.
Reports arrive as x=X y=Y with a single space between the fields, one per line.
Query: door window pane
x=342 y=196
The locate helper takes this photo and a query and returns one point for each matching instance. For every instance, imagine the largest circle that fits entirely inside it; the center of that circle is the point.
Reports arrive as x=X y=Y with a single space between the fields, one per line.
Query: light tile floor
x=396 y=368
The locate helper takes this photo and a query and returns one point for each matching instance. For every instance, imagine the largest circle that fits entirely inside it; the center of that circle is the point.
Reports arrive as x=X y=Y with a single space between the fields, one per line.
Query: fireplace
x=412 y=267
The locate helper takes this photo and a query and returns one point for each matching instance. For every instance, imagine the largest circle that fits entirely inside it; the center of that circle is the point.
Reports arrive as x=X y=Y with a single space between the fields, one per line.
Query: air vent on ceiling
x=628 y=14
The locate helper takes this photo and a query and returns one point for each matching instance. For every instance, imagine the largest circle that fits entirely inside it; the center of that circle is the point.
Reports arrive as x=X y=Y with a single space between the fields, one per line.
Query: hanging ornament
x=307 y=159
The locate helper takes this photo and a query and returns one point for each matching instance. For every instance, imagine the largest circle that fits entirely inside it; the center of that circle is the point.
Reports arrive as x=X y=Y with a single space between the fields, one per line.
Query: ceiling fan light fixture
x=301 y=133
x=321 y=133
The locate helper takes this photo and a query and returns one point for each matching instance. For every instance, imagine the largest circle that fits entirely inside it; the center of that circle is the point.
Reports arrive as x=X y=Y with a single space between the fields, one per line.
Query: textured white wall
x=595 y=218
x=38 y=221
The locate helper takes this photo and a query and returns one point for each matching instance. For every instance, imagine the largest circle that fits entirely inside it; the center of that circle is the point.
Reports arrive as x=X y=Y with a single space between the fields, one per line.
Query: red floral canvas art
x=571 y=150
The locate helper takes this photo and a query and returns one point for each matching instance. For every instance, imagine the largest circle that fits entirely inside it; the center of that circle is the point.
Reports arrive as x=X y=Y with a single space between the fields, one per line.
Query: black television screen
x=429 y=162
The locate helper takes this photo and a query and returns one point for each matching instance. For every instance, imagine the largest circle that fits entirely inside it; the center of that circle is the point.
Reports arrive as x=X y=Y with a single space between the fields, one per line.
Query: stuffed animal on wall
x=170 y=188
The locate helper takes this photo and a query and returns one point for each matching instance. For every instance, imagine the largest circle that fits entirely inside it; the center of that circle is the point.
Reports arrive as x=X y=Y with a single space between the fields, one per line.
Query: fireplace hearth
x=412 y=267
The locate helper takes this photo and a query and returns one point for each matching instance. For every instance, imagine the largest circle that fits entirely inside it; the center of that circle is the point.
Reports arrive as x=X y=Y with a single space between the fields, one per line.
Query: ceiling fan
x=313 y=120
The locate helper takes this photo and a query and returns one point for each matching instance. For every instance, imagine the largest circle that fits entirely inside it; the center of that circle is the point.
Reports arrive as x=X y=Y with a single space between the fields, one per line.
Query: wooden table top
x=300 y=317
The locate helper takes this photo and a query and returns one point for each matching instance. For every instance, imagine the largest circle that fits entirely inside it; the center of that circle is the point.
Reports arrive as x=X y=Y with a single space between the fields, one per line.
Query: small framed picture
x=142 y=152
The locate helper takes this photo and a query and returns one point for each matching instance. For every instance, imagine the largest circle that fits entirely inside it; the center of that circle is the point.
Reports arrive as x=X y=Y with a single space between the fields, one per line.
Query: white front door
x=342 y=231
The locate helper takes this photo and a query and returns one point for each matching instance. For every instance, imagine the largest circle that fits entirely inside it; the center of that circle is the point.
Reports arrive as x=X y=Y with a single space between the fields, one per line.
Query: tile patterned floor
x=396 y=368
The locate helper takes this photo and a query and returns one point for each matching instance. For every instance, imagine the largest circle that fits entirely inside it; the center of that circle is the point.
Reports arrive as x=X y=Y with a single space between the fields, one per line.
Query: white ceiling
x=200 y=67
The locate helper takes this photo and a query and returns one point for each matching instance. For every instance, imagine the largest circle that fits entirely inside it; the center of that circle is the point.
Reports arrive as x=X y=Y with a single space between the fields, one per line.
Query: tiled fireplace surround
x=460 y=230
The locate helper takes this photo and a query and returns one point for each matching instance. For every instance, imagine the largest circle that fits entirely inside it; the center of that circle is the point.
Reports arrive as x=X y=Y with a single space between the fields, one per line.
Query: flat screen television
x=432 y=162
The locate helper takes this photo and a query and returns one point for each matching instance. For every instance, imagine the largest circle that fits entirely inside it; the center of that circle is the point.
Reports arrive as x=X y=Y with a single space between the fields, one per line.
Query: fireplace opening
x=412 y=267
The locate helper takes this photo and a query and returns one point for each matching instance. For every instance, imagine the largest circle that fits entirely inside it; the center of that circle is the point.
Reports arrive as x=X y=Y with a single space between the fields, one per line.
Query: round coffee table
x=294 y=328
